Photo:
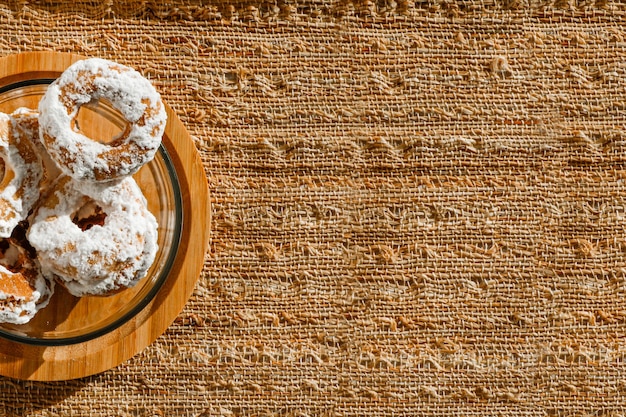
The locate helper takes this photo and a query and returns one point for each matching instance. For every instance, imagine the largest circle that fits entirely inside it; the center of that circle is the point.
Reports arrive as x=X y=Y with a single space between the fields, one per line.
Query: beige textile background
x=419 y=207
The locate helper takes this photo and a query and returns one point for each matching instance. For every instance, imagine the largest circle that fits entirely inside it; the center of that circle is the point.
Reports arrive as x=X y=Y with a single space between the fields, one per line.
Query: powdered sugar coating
x=102 y=259
x=134 y=96
x=19 y=188
x=21 y=308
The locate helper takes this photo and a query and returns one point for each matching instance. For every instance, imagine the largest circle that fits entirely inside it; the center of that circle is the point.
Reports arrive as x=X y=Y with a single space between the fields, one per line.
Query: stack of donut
x=70 y=211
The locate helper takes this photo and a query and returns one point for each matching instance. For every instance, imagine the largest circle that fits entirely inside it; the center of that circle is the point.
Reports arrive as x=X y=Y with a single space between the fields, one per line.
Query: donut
x=130 y=93
x=25 y=124
x=23 y=288
x=20 y=185
x=94 y=239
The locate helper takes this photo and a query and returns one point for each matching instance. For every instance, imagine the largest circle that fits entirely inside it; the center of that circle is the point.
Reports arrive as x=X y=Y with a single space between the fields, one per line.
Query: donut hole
x=19 y=284
x=9 y=255
x=90 y=214
x=4 y=174
x=18 y=237
x=8 y=174
x=101 y=122
x=13 y=256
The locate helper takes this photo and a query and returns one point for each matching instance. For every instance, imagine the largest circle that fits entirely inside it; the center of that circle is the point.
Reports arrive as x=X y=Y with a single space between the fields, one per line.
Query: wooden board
x=48 y=363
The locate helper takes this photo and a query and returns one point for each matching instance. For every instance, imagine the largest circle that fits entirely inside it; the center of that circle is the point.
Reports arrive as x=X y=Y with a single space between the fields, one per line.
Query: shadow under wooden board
x=76 y=337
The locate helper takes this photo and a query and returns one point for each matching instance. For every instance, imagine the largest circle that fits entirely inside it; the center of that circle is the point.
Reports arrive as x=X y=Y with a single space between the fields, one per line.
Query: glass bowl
x=68 y=319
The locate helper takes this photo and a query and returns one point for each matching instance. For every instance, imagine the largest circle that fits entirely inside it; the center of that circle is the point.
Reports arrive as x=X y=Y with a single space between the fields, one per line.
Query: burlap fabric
x=419 y=209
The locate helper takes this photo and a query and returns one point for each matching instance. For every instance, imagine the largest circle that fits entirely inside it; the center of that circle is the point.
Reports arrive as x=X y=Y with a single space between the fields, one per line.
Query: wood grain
x=48 y=363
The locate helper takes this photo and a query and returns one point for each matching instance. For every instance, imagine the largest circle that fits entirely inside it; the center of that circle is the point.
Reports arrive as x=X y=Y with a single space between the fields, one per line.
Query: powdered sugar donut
x=23 y=289
x=94 y=239
x=19 y=188
x=134 y=96
x=25 y=124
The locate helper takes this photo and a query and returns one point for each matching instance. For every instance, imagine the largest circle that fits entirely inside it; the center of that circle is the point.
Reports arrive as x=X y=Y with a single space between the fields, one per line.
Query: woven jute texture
x=419 y=208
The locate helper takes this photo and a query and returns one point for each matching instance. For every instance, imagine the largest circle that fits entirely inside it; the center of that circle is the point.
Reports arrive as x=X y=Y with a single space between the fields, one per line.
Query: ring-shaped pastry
x=137 y=100
x=23 y=172
x=25 y=125
x=94 y=239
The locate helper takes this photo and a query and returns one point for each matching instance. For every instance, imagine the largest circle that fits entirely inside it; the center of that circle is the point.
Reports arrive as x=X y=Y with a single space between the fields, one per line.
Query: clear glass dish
x=68 y=319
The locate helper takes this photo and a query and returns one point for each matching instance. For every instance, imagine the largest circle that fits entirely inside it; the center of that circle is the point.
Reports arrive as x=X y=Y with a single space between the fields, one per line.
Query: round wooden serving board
x=49 y=363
